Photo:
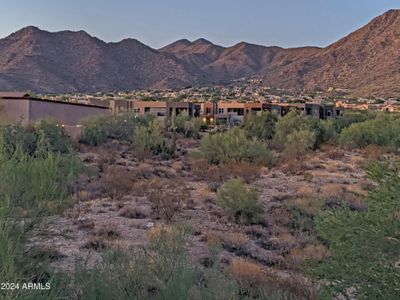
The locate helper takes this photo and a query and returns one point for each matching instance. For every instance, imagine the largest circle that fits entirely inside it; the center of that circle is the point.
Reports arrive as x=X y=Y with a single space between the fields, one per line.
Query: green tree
x=260 y=126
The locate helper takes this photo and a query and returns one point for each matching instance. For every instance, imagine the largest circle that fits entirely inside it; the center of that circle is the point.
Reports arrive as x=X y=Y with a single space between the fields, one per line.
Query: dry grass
x=293 y=166
x=221 y=173
x=357 y=161
x=212 y=239
x=306 y=191
x=309 y=252
x=234 y=240
x=310 y=205
x=332 y=190
x=248 y=272
x=267 y=283
x=156 y=231
x=357 y=189
x=336 y=195
x=284 y=241
x=375 y=152
x=333 y=152
x=331 y=167
x=204 y=193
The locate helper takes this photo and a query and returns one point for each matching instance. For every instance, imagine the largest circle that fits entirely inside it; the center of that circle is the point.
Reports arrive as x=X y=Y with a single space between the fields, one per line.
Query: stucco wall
x=14 y=111
x=64 y=113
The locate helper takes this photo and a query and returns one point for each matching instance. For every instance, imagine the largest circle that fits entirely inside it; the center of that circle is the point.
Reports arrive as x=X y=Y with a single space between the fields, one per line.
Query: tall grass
x=37 y=183
x=30 y=187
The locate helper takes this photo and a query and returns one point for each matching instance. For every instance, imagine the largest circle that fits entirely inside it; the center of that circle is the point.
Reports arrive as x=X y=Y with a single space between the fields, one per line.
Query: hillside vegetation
x=277 y=208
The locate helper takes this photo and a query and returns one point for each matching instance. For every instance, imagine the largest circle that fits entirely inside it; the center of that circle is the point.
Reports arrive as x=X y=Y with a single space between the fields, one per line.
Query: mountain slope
x=67 y=61
x=366 y=61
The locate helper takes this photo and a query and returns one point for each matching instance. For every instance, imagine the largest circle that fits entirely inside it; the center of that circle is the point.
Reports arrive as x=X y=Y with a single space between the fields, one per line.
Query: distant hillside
x=366 y=61
x=32 y=59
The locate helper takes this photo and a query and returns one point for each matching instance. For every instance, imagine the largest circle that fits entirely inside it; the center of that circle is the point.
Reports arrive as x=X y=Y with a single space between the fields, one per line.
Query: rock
x=149 y=225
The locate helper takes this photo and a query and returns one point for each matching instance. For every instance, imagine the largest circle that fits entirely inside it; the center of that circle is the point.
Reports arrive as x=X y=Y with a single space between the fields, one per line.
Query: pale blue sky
x=286 y=23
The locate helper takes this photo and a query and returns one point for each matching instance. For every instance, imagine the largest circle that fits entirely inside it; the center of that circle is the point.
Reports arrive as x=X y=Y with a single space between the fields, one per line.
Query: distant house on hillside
x=22 y=108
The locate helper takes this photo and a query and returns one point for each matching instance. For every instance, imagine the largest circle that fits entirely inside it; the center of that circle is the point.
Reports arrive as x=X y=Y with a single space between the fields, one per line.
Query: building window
x=147 y=109
x=220 y=110
x=208 y=110
x=136 y=110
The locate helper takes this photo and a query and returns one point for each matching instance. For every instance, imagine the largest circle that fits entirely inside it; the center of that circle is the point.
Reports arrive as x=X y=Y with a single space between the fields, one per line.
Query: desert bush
x=17 y=136
x=323 y=131
x=46 y=136
x=30 y=187
x=38 y=183
x=298 y=144
x=117 y=181
x=223 y=172
x=383 y=131
x=19 y=265
x=187 y=126
x=355 y=262
x=51 y=137
x=351 y=117
x=261 y=127
x=234 y=146
x=98 y=131
x=161 y=270
x=149 y=139
x=240 y=201
x=168 y=197
x=94 y=132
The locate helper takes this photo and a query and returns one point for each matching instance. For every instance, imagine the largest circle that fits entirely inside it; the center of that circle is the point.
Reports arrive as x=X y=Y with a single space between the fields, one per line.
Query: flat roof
x=22 y=96
x=14 y=95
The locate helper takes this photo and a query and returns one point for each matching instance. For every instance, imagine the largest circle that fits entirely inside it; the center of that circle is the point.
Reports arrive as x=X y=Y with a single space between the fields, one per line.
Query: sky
x=285 y=23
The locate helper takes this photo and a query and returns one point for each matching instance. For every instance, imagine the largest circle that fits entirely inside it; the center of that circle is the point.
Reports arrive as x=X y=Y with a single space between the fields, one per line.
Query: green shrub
x=383 y=131
x=149 y=139
x=234 y=146
x=295 y=121
x=19 y=266
x=31 y=187
x=98 y=131
x=351 y=117
x=17 y=136
x=51 y=137
x=37 y=183
x=187 y=126
x=240 y=201
x=365 y=245
x=95 y=132
x=46 y=136
x=260 y=126
x=298 y=144
x=161 y=270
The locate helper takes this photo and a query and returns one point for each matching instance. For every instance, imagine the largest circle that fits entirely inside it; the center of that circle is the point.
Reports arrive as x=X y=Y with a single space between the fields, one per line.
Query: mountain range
x=367 y=62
